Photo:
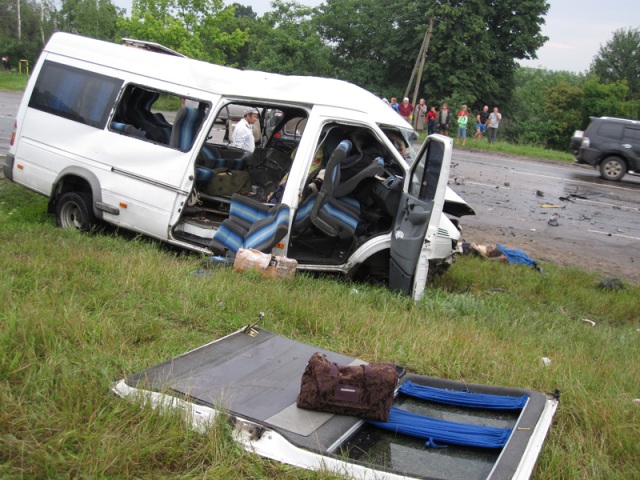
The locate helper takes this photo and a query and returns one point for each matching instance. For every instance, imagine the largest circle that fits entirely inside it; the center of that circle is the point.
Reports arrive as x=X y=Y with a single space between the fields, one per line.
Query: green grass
x=13 y=81
x=82 y=311
x=511 y=149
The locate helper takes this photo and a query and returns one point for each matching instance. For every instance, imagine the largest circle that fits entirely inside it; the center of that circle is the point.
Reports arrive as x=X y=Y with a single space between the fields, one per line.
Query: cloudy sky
x=576 y=28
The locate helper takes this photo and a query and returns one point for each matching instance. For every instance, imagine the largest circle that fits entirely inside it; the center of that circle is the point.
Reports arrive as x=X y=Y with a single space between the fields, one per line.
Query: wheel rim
x=71 y=216
x=612 y=169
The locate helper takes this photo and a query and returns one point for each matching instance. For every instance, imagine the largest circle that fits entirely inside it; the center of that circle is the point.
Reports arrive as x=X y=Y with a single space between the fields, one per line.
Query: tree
x=286 y=40
x=195 y=28
x=92 y=18
x=23 y=24
x=619 y=60
x=471 y=55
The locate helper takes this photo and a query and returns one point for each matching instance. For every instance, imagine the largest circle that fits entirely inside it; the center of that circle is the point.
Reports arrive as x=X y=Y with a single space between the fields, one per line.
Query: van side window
x=159 y=117
x=75 y=94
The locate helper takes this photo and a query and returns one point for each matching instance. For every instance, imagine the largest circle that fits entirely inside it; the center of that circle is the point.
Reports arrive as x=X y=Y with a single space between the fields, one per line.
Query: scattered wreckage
x=253 y=377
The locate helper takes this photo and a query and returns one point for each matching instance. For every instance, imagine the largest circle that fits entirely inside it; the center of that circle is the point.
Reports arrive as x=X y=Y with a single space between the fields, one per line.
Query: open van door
x=416 y=223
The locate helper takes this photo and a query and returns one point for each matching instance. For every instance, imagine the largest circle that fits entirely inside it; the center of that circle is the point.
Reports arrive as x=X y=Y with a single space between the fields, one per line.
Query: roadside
x=557 y=213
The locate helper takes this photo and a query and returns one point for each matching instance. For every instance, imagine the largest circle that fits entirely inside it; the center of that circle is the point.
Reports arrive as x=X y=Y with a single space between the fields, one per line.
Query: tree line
x=472 y=57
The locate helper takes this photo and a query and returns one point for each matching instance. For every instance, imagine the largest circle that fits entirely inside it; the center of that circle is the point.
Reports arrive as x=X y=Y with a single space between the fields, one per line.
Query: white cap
x=250 y=110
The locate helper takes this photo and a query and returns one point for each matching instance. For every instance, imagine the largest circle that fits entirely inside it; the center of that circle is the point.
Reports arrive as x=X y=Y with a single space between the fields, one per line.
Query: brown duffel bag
x=364 y=391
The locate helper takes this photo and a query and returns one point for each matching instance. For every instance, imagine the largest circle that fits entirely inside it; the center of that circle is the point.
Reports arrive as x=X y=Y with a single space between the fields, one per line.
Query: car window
x=160 y=117
x=632 y=135
x=75 y=94
x=610 y=130
x=295 y=127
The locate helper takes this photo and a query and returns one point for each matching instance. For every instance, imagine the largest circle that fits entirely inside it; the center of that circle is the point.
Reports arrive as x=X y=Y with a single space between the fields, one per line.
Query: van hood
x=455 y=205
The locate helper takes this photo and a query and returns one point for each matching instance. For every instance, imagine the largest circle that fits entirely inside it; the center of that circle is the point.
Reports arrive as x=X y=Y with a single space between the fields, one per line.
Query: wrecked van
x=140 y=138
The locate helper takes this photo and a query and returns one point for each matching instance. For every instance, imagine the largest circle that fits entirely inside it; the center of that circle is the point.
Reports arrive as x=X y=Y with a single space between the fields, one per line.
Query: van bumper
x=7 y=166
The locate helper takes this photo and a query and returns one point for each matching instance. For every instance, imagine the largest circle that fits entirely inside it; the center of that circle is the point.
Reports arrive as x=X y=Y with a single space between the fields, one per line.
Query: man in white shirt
x=243 y=133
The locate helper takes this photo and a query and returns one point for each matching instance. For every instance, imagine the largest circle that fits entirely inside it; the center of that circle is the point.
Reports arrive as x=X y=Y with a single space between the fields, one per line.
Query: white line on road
x=608 y=204
x=575 y=181
x=613 y=234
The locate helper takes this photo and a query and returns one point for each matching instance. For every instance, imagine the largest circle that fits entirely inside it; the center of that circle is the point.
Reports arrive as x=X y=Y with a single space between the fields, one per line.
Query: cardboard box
x=270 y=266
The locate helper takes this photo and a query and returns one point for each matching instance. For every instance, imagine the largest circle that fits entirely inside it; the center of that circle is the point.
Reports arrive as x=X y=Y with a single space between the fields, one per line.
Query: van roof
x=226 y=81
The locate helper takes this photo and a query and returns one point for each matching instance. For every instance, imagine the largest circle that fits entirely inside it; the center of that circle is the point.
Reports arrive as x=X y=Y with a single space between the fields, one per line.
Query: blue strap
x=431 y=429
x=462 y=398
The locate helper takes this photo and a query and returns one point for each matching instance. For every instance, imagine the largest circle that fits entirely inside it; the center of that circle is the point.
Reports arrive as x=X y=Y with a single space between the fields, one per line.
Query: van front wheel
x=75 y=210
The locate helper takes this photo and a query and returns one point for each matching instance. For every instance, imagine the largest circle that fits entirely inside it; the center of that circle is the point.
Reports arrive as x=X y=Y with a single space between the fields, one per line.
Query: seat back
x=185 y=127
x=251 y=224
x=139 y=115
x=331 y=179
x=266 y=233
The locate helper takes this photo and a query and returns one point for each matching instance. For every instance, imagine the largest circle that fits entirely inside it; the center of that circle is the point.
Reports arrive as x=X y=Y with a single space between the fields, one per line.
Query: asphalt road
x=9 y=102
x=598 y=222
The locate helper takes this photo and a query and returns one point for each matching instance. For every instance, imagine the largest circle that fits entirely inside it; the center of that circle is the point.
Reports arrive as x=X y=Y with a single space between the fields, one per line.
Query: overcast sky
x=576 y=28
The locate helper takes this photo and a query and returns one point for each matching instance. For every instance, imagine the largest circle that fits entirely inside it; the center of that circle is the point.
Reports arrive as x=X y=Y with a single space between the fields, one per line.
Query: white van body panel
x=150 y=185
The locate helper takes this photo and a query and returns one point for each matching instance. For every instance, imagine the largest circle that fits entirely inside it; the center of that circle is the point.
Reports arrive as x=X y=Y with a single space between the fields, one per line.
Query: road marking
x=613 y=234
x=481 y=184
x=608 y=204
x=576 y=181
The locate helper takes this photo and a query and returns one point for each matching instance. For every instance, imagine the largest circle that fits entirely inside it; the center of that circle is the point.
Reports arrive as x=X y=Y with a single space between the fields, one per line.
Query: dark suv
x=610 y=144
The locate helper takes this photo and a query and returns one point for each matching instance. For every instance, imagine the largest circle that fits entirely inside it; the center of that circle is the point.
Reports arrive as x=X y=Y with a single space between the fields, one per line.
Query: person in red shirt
x=431 y=121
x=405 y=109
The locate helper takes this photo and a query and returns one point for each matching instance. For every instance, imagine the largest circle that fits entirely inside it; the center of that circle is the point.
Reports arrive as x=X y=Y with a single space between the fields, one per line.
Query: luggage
x=225 y=182
x=364 y=391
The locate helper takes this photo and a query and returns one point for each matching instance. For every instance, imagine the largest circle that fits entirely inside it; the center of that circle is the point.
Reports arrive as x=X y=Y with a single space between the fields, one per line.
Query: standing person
x=243 y=133
x=394 y=104
x=494 y=121
x=5 y=63
x=405 y=109
x=431 y=121
x=463 y=119
x=419 y=116
x=481 y=126
x=444 y=117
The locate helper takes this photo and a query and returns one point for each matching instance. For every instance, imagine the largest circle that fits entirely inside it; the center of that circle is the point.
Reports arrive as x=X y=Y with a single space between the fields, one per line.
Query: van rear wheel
x=75 y=210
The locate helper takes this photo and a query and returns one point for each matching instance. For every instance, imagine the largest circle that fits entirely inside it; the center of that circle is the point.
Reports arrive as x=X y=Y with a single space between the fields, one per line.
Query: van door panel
x=416 y=223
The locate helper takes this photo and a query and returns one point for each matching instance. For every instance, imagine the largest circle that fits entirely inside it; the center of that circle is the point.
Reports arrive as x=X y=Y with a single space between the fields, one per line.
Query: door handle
x=626 y=145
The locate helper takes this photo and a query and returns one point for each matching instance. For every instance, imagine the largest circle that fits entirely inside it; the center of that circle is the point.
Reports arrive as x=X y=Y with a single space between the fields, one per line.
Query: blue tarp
x=515 y=256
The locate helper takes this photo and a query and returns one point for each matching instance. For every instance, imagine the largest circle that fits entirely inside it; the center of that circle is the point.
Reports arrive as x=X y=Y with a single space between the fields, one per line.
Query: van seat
x=251 y=224
x=185 y=127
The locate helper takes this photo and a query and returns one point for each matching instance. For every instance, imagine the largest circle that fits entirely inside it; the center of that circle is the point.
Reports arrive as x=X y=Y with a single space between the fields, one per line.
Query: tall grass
x=13 y=81
x=82 y=311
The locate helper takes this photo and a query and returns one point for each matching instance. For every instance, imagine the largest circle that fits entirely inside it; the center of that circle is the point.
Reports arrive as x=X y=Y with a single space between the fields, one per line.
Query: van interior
x=351 y=193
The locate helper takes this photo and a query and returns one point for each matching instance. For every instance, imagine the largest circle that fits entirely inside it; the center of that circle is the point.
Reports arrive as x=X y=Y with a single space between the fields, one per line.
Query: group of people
x=439 y=121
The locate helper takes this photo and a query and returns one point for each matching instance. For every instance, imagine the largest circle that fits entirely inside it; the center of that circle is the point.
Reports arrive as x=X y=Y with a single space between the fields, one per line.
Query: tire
x=613 y=168
x=75 y=210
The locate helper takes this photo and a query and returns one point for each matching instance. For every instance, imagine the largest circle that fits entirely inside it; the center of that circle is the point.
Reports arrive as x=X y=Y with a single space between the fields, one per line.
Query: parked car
x=89 y=137
x=610 y=144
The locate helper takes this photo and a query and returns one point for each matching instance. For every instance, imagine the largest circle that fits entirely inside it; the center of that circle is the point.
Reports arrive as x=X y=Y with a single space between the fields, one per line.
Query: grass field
x=82 y=311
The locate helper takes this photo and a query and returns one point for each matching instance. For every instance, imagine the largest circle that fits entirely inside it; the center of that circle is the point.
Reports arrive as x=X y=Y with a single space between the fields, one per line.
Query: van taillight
x=13 y=134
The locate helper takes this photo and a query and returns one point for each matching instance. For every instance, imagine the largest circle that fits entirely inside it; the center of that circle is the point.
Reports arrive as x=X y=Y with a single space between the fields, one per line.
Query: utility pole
x=19 y=20
x=422 y=58
x=415 y=66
